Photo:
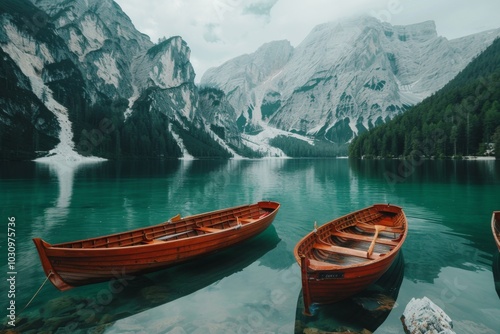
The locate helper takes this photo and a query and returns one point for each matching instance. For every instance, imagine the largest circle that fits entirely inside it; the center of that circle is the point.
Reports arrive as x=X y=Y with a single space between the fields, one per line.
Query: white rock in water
x=423 y=316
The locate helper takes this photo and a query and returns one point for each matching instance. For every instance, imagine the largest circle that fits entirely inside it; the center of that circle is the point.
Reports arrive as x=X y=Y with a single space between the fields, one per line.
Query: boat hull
x=71 y=267
x=346 y=255
x=495 y=227
x=329 y=286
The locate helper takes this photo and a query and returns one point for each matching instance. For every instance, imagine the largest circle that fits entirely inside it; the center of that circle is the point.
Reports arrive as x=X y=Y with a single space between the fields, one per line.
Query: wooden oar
x=173 y=235
x=378 y=228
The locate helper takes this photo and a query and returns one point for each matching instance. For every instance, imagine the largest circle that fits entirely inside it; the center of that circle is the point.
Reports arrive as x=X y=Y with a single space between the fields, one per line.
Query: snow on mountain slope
x=248 y=78
x=116 y=61
x=344 y=77
x=32 y=57
x=85 y=55
x=261 y=141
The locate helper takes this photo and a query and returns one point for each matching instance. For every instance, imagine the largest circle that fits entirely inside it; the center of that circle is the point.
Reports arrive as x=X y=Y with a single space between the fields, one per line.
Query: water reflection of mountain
x=366 y=310
x=133 y=169
x=496 y=272
x=99 y=305
x=65 y=172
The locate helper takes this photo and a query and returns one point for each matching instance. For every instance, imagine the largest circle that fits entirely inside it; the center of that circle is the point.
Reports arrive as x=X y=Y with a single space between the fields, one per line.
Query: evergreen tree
x=458 y=120
x=496 y=142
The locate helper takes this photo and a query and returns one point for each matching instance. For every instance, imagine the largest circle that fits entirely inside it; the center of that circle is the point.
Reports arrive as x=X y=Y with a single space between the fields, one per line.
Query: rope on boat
x=36 y=293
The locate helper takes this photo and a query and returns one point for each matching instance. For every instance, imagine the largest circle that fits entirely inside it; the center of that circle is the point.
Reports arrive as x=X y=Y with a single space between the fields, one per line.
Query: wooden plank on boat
x=359 y=237
x=246 y=220
x=372 y=228
x=173 y=235
x=153 y=241
x=209 y=229
x=346 y=251
x=320 y=265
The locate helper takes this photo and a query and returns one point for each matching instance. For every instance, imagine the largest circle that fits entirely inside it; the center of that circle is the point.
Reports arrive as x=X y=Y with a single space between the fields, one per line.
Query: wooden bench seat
x=153 y=241
x=208 y=229
x=351 y=236
x=246 y=220
x=321 y=265
x=371 y=228
x=346 y=251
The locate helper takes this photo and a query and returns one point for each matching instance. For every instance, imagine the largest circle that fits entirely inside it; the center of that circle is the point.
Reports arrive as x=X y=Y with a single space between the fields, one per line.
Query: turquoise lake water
x=449 y=255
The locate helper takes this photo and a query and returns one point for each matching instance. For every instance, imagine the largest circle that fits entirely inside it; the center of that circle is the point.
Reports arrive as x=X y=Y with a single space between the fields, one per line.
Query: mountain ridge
x=88 y=65
x=80 y=82
x=461 y=119
x=347 y=76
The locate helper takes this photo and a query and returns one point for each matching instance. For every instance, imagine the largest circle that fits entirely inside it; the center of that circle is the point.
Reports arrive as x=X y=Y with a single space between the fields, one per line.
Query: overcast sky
x=218 y=30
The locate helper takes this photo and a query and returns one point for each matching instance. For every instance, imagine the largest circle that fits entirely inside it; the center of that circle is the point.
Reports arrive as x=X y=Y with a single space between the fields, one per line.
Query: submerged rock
x=58 y=307
x=377 y=304
x=423 y=316
x=154 y=294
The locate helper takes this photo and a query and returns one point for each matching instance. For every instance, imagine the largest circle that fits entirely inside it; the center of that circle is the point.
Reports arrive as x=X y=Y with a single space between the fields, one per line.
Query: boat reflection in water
x=496 y=272
x=365 y=310
x=99 y=305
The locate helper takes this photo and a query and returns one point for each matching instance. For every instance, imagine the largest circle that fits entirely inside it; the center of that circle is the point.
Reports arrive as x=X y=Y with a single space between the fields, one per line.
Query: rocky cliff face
x=116 y=59
x=70 y=66
x=345 y=77
x=165 y=70
x=78 y=61
x=31 y=119
x=245 y=80
x=102 y=38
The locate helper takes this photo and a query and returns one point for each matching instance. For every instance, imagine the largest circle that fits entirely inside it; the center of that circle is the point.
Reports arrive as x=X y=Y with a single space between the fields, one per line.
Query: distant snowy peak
x=94 y=20
x=248 y=81
x=421 y=32
x=344 y=77
x=250 y=70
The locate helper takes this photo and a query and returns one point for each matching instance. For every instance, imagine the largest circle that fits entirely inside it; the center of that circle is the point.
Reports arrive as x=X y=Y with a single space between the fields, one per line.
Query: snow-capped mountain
x=78 y=80
x=345 y=76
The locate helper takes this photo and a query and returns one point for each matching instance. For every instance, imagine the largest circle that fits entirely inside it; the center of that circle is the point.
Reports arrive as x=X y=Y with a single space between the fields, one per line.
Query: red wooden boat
x=93 y=260
x=495 y=227
x=347 y=254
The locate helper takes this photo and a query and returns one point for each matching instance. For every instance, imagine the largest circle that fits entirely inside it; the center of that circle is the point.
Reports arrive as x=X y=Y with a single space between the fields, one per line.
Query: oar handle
x=378 y=228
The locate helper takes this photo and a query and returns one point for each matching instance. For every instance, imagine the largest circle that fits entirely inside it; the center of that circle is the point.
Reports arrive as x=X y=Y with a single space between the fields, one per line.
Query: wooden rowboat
x=495 y=227
x=347 y=254
x=370 y=307
x=129 y=253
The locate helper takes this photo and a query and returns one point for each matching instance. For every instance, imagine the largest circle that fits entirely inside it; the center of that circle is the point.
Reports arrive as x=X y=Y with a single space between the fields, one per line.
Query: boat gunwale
x=335 y=267
x=151 y=246
x=495 y=227
x=186 y=219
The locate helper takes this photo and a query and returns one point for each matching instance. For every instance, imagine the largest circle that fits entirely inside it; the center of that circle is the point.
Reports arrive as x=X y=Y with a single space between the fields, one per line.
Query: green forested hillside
x=463 y=118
